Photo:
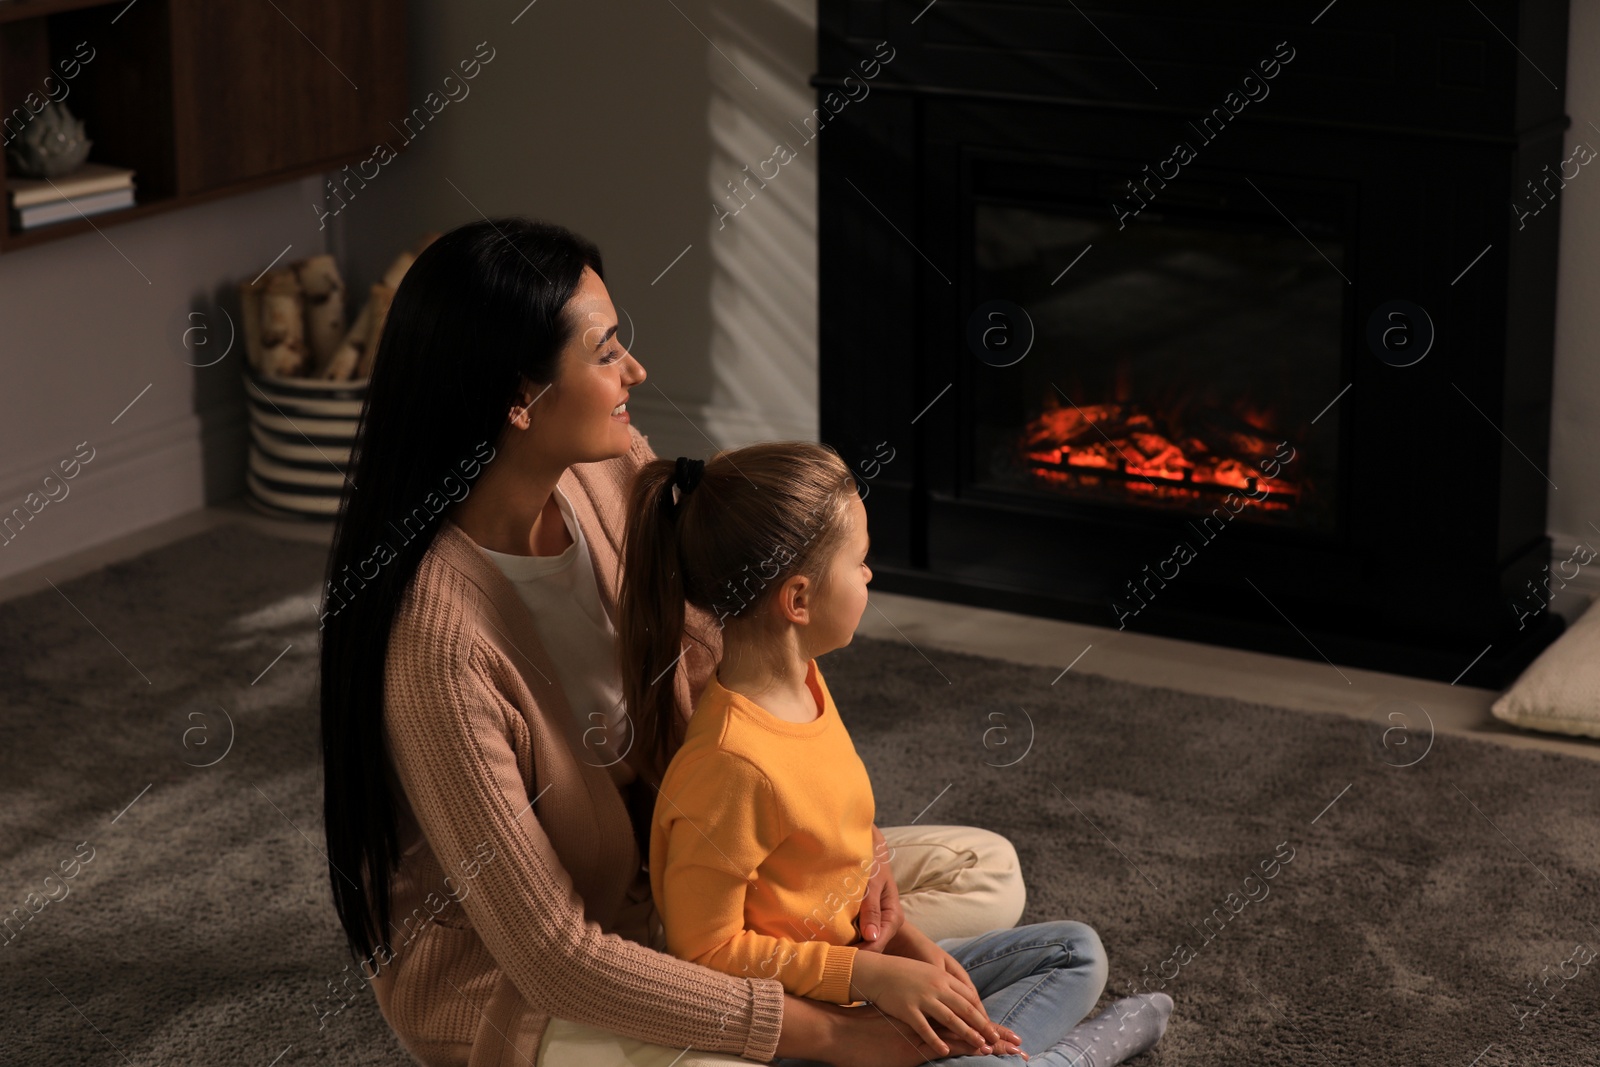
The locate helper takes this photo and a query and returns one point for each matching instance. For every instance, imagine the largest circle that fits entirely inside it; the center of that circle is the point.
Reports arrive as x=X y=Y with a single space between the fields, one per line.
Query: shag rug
x=161 y=786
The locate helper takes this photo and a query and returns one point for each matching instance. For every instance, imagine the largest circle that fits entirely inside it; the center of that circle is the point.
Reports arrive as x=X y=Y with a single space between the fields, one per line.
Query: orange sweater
x=762 y=845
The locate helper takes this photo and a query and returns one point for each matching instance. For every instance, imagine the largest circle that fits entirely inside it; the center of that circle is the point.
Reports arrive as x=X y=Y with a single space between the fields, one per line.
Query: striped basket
x=301 y=433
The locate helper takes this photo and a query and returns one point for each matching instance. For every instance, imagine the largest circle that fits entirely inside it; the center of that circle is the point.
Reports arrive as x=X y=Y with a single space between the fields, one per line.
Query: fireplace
x=1152 y=381
x=1214 y=360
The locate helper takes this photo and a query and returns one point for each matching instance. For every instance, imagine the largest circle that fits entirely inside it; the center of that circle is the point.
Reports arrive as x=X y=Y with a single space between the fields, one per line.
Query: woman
x=485 y=808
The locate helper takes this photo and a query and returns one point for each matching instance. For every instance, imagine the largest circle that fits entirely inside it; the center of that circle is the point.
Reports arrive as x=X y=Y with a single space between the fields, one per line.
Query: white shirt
x=564 y=600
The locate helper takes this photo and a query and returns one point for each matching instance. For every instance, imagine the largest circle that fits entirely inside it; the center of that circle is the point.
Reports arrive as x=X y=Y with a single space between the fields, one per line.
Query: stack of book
x=91 y=189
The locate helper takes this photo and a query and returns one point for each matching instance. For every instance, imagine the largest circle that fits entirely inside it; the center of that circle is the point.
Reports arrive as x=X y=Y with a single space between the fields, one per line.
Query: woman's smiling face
x=580 y=417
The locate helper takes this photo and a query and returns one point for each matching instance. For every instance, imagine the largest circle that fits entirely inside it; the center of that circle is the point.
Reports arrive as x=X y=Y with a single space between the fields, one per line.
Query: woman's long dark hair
x=757 y=516
x=479 y=309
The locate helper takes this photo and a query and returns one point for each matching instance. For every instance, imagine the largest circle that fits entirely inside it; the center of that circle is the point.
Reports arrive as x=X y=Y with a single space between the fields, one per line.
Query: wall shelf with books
x=187 y=101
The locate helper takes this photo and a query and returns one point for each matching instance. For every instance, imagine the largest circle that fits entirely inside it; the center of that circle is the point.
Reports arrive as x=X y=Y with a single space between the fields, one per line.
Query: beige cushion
x=1560 y=691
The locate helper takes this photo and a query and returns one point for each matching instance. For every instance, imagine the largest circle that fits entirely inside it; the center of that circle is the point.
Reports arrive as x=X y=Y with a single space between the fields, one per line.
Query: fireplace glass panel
x=1178 y=361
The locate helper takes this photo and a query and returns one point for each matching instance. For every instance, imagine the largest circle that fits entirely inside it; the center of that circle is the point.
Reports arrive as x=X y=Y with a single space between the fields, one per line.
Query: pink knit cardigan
x=520 y=896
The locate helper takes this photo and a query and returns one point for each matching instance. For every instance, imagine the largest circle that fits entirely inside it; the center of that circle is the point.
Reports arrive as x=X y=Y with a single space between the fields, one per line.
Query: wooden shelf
x=15 y=10
x=154 y=98
x=15 y=240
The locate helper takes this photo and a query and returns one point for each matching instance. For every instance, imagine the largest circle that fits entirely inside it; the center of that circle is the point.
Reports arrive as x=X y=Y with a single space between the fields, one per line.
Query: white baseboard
x=135 y=479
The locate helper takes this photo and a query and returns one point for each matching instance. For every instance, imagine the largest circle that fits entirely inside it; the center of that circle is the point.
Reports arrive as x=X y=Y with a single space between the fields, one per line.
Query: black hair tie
x=686 y=475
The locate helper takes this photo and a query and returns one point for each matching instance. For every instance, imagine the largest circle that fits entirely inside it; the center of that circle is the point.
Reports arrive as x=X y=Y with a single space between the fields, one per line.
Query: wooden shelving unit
x=204 y=99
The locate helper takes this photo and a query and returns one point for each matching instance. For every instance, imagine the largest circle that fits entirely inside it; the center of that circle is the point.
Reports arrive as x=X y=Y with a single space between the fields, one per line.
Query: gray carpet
x=1405 y=930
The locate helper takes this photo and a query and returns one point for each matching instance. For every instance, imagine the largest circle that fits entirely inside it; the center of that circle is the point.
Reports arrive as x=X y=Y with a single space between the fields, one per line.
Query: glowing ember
x=1100 y=444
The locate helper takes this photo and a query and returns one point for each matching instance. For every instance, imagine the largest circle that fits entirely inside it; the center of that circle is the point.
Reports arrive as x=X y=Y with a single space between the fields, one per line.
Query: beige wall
x=1574 y=512
x=89 y=322
x=592 y=115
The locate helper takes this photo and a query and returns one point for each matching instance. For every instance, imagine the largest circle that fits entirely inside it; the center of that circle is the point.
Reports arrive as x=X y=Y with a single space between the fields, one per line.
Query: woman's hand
x=864 y=1036
x=921 y=995
x=880 y=916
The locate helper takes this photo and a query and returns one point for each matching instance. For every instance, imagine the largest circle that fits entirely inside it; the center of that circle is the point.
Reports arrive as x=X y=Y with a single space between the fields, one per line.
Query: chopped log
x=397 y=269
x=342 y=367
x=379 y=300
x=323 y=291
x=354 y=357
x=283 y=325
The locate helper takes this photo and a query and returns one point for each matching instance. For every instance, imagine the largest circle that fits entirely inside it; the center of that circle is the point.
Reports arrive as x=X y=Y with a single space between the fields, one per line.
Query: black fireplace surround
x=1231 y=324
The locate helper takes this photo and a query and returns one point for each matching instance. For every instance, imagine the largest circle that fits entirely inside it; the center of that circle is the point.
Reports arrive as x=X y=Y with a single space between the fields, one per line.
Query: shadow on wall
x=209 y=338
x=762 y=185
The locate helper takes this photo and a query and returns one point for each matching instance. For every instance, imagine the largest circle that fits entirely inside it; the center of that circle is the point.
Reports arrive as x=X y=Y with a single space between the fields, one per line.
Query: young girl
x=762 y=836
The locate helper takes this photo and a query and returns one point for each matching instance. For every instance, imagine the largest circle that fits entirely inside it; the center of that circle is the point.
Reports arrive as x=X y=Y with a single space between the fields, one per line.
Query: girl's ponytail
x=720 y=535
x=650 y=610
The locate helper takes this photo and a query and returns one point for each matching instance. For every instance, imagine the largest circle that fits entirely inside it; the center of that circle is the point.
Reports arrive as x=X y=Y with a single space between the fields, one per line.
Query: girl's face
x=842 y=594
x=580 y=417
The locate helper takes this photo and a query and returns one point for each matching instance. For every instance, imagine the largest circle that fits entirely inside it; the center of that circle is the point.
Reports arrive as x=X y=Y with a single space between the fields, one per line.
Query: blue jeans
x=1041 y=980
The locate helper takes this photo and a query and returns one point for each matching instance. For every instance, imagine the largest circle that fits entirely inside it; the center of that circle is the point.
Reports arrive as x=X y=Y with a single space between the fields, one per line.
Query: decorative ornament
x=50 y=145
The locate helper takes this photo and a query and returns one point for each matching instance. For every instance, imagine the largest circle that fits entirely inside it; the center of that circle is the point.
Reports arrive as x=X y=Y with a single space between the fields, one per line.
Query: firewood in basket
x=250 y=321
x=324 y=302
x=397 y=269
x=379 y=300
x=426 y=240
x=355 y=357
x=283 y=325
x=342 y=367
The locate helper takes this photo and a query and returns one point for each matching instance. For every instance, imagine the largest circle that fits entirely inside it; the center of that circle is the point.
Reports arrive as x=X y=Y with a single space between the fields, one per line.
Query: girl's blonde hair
x=758 y=516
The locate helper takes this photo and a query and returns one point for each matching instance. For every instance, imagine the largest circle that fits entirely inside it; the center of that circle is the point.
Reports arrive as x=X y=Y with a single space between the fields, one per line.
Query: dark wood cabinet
x=204 y=99
x=304 y=101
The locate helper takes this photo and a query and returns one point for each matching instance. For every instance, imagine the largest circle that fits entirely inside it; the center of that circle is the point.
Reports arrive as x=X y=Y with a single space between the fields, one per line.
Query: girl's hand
x=921 y=994
x=880 y=916
x=914 y=944
x=1004 y=1047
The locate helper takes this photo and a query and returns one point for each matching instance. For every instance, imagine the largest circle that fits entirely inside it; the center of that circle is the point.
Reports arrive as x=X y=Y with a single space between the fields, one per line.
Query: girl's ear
x=793 y=600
